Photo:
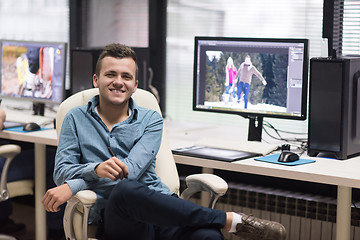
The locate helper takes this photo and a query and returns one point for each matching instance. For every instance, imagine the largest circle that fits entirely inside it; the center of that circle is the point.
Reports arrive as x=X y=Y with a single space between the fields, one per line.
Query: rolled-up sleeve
x=67 y=161
x=143 y=153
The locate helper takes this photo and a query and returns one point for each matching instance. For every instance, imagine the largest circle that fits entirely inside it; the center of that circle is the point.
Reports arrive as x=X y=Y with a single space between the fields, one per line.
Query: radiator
x=305 y=217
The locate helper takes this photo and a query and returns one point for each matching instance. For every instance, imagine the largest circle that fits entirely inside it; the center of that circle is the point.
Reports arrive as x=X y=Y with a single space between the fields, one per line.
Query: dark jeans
x=136 y=212
x=244 y=87
x=22 y=167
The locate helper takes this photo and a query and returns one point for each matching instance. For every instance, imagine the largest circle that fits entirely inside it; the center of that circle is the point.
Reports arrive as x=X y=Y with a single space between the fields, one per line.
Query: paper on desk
x=245 y=146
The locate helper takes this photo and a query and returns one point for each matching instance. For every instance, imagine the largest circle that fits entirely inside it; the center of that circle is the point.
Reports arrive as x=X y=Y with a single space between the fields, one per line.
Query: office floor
x=23 y=212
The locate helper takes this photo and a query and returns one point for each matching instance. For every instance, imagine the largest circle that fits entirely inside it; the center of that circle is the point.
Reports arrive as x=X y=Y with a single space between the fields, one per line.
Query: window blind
x=351 y=27
x=229 y=18
x=35 y=20
x=121 y=21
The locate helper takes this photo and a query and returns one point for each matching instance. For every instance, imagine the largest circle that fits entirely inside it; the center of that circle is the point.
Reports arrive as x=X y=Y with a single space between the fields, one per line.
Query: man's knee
x=122 y=187
x=125 y=190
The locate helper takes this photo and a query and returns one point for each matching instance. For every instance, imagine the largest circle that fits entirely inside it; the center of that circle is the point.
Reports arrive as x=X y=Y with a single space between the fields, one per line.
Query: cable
x=271 y=126
x=301 y=143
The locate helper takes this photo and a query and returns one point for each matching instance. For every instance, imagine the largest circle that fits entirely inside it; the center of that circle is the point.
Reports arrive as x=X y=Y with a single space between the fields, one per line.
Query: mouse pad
x=274 y=159
x=20 y=129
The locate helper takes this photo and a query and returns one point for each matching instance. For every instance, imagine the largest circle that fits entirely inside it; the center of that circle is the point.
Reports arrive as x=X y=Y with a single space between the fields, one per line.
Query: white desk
x=342 y=173
x=40 y=140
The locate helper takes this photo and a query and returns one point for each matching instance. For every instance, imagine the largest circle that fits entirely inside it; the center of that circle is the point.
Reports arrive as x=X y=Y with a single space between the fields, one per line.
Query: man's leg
x=188 y=233
x=133 y=209
x=246 y=94
x=239 y=90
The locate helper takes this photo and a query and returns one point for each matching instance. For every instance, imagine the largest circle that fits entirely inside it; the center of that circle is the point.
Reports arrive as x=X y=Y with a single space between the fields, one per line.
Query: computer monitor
x=33 y=71
x=251 y=77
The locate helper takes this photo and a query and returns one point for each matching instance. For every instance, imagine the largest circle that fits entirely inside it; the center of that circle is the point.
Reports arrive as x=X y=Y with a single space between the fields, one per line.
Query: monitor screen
x=33 y=71
x=251 y=77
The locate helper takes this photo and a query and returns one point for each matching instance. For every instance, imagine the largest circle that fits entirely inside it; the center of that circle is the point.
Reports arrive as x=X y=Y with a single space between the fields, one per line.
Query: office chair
x=78 y=207
x=16 y=188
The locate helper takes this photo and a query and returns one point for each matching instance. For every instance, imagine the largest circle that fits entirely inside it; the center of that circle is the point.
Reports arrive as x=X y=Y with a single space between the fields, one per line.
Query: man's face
x=116 y=81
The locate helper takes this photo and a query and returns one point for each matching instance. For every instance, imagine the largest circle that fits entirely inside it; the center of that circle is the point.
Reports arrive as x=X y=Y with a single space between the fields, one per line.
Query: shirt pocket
x=125 y=138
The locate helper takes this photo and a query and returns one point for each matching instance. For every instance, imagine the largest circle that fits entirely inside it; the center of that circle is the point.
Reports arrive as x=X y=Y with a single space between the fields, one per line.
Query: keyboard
x=18 y=116
x=245 y=146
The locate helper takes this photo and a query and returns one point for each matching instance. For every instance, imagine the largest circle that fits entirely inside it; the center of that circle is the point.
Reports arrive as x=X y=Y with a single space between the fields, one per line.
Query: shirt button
x=111 y=135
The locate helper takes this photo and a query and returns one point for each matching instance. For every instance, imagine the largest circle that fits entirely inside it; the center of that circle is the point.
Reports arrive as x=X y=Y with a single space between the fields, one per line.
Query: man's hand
x=113 y=169
x=56 y=196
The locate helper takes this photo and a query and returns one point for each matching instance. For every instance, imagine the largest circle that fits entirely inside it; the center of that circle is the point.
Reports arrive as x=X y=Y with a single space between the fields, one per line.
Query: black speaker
x=83 y=63
x=334 y=102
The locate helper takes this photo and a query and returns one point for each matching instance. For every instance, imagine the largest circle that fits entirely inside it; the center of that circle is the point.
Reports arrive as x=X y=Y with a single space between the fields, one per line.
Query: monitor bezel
x=252 y=114
x=63 y=78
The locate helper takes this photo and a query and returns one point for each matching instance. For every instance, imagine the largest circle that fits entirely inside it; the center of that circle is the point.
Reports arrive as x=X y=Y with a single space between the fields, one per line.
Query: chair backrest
x=165 y=164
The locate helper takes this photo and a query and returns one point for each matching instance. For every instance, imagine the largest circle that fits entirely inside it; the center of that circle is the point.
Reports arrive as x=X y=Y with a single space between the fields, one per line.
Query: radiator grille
x=306 y=217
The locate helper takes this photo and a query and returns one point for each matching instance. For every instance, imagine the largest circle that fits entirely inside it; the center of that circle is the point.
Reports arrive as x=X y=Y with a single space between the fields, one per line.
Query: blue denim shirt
x=84 y=142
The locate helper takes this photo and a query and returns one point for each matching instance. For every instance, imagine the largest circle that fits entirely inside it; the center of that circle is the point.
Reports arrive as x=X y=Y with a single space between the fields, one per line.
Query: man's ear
x=95 y=81
x=136 y=85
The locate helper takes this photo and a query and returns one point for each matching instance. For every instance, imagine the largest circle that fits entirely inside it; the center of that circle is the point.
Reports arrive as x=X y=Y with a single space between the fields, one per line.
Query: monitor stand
x=255 y=128
x=39 y=109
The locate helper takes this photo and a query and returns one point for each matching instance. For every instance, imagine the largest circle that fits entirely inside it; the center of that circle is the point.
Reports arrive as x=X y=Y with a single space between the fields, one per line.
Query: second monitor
x=251 y=77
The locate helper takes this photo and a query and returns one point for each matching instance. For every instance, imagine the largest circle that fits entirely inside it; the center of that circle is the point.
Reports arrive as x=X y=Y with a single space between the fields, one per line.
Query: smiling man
x=110 y=147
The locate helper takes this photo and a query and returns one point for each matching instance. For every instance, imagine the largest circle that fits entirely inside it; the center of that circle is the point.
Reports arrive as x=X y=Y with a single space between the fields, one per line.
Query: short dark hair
x=116 y=50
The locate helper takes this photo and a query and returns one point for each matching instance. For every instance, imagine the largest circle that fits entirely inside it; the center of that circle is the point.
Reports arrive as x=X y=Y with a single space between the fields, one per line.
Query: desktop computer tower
x=83 y=63
x=334 y=107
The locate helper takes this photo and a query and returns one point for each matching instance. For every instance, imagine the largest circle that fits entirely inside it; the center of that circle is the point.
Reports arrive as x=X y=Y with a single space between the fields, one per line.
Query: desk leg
x=40 y=186
x=343 y=214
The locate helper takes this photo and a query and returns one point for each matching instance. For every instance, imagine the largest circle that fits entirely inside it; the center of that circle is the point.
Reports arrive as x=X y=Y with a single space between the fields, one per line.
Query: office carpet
x=24 y=212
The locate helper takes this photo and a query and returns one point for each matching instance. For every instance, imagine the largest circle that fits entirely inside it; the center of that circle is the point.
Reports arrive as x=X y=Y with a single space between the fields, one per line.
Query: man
x=110 y=145
x=245 y=72
x=22 y=167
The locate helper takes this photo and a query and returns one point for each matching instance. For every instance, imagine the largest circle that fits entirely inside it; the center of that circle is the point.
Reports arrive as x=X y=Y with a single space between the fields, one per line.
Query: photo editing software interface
x=250 y=76
x=33 y=71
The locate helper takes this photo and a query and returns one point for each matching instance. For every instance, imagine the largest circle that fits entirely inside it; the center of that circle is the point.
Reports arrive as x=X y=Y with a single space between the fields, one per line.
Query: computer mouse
x=31 y=126
x=288 y=156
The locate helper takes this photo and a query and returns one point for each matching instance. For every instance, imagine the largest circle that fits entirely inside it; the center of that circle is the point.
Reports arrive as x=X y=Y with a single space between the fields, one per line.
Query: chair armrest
x=8 y=151
x=213 y=184
x=86 y=198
